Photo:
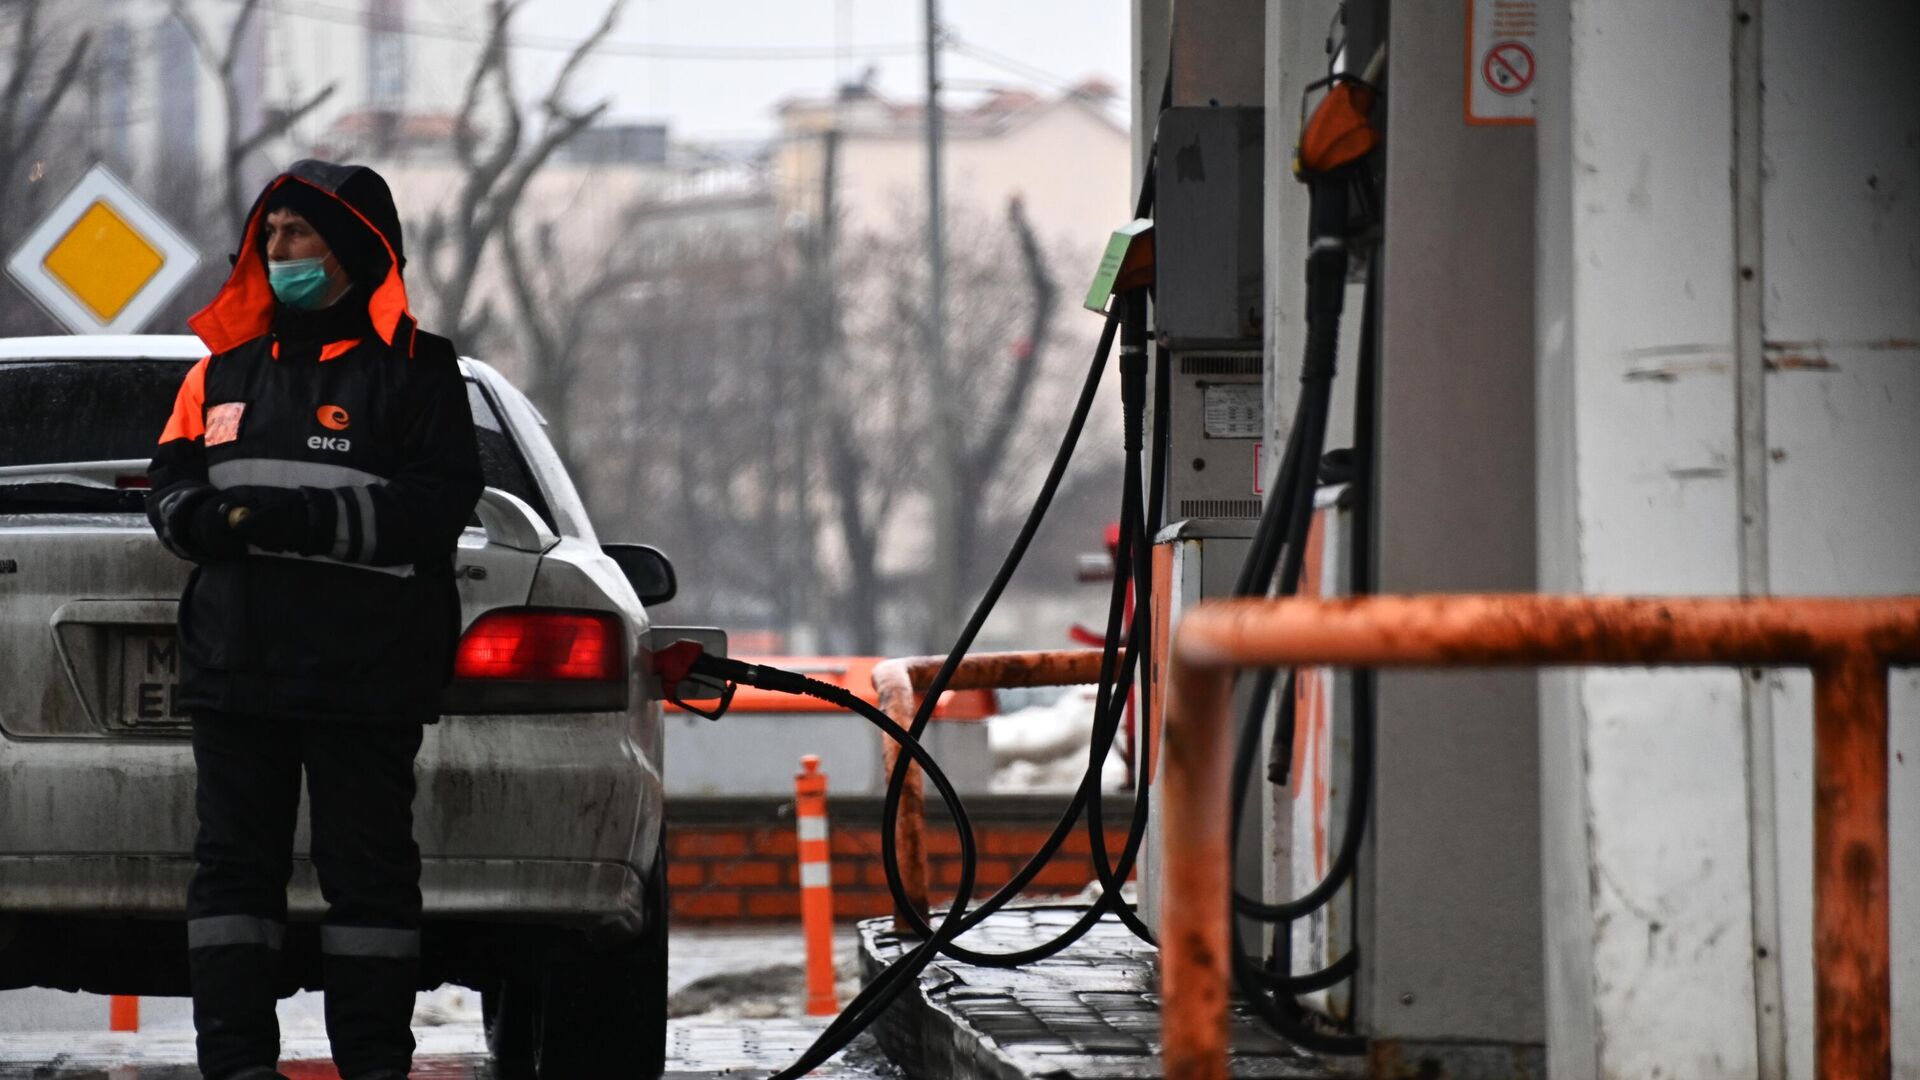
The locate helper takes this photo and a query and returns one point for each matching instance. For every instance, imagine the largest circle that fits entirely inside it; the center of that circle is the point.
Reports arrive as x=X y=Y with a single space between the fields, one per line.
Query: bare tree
x=682 y=408
x=236 y=185
x=985 y=452
x=756 y=403
x=28 y=101
x=871 y=423
x=496 y=170
x=554 y=311
x=877 y=413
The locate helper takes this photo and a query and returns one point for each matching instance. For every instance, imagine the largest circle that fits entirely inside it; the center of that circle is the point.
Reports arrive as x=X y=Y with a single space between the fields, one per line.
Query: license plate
x=150 y=681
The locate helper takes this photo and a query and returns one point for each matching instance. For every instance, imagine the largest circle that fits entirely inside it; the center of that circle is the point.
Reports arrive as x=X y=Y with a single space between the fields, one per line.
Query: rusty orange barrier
x=900 y=681
x=816 y=884
x=1848 y=644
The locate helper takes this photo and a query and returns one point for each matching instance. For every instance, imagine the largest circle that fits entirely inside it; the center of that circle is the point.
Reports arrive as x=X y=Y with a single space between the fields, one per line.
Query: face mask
x=301 y=284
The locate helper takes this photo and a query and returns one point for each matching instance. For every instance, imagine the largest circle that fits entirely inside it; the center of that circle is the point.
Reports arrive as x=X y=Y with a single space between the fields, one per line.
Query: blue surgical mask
x=301 y=284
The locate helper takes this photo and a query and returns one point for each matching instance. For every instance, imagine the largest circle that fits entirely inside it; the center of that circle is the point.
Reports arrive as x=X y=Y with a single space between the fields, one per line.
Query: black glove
x=211 y=533
x=276 y=520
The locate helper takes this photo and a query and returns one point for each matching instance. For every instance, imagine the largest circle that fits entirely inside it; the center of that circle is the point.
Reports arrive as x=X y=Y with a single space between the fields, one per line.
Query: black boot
x=235 y=988
x=370 y=1014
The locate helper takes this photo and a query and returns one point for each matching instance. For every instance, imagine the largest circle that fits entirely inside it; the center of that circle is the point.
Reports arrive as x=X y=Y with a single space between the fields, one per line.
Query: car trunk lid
x=87 y=609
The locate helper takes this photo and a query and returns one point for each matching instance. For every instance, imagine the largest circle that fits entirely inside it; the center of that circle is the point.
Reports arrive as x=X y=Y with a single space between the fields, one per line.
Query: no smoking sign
x=1501 y=61
x=1508 y=68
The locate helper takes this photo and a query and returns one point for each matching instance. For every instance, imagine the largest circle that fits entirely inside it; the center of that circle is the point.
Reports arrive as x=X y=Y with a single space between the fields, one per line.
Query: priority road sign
x=102 y=261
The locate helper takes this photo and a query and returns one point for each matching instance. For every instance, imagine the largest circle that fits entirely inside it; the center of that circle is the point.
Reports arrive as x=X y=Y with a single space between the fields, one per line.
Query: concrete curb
x=920 y=1032
x=1089 y=1013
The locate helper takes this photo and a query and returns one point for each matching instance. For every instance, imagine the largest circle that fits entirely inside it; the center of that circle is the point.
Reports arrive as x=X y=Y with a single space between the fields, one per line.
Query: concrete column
x=1839 y=264
x=1152 y=22
x=1450 y=915
x=1729 y=403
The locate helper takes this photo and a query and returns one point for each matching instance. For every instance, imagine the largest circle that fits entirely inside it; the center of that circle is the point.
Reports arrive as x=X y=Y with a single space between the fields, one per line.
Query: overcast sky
x=1047 y=41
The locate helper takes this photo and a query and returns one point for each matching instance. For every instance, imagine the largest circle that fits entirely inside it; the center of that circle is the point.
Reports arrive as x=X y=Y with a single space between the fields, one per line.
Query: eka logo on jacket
x=332 y=417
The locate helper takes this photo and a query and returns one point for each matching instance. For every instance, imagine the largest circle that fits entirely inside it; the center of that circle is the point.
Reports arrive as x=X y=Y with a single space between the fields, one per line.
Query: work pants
x=360 y=801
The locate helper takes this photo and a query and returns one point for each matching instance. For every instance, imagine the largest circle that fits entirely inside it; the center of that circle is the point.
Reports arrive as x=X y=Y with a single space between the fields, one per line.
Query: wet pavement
x=737 y=1000
x=1089 y=1013
x=734 y=1049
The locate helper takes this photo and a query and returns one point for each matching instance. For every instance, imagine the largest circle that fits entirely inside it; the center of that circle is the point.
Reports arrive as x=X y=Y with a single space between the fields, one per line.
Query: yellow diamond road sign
x=102 y=261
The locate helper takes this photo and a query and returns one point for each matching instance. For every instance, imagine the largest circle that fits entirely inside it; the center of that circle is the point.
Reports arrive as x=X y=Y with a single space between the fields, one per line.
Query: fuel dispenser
x=1399 y=862
x=1207 y=327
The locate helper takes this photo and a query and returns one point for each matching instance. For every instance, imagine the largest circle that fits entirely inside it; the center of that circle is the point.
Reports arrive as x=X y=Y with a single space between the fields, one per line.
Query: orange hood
x=243 y=309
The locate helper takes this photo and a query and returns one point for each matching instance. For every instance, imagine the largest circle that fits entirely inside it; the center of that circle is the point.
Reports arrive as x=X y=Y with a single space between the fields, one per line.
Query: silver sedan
x=540 y=800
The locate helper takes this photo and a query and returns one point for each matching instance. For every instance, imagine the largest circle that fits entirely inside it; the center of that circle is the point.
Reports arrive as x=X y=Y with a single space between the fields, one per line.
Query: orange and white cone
x=816 y=885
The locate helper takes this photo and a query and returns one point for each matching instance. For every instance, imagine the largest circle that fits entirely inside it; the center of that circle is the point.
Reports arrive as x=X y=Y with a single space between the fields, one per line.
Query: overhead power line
x=1007 y=63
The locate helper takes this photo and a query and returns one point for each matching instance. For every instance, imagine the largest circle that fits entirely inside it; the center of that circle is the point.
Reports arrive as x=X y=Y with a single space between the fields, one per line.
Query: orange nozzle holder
x=1340 y=132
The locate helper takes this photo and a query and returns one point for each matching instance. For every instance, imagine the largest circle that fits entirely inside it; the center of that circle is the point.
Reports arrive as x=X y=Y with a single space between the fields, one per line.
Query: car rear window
x=58 y=411
x=500 y=460
x=84 y=410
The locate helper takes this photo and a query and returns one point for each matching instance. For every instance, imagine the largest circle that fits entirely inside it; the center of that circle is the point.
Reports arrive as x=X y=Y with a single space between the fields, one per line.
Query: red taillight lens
x=532 y=645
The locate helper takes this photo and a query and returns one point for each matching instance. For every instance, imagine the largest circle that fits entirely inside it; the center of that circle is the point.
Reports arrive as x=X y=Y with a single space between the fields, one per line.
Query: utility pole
x=823 y=351
x=946 y=442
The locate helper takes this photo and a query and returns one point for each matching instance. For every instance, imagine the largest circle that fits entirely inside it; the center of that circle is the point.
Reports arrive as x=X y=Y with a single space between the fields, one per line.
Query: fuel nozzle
x=1333 y=159
x=1340 y=133
x=1337 y=141
x=685 y=665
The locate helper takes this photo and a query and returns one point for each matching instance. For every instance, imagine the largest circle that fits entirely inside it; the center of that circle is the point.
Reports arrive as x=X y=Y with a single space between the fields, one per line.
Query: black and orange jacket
x=367 y=417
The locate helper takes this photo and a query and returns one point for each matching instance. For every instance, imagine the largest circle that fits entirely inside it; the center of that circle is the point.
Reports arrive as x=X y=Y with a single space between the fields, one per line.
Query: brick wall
x=735 y=860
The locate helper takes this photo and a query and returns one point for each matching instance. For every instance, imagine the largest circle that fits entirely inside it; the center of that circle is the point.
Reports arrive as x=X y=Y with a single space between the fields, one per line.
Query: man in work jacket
x=318 y=468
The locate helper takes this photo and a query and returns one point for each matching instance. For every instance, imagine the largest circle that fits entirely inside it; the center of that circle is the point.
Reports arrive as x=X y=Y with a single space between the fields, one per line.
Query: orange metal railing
x=1848 y=644
x=900 y=682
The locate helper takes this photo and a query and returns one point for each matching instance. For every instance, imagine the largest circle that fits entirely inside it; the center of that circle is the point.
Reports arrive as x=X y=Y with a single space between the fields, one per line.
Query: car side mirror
x=648 y=570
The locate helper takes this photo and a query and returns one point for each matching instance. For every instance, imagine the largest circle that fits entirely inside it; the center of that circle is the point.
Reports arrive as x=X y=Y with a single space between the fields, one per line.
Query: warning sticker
x=1233 y=411
x=223 y=422
x=1501 y=60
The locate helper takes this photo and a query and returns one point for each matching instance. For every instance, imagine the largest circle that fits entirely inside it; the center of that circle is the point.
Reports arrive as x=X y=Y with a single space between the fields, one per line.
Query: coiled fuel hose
x=1278 y=545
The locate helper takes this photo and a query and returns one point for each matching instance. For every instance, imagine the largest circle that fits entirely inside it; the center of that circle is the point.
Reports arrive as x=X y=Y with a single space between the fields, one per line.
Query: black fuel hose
x=1119 y=311
x=1115 y=682
x=1283 y=530
x=879 y=994
x=1361 y=560
x=1270 y=993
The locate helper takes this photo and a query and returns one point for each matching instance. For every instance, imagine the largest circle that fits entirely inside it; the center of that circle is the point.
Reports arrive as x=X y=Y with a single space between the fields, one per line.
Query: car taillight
x=534 y=645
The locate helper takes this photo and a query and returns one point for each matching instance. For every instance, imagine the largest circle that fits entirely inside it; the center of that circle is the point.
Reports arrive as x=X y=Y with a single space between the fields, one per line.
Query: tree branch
x=232 y=56
x=492 y=53
x=497 y=177
x=24 y=55
x=579 y=55
x=984 y=458
x=197 y=34
x=284 y=124
x=520 y=278
x=562 y=123
x=62 y=82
